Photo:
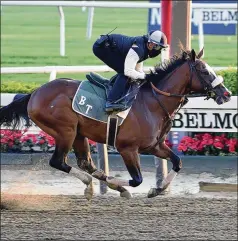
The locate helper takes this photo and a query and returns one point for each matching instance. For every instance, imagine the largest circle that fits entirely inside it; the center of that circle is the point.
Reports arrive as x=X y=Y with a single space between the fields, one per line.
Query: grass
x=30 y=37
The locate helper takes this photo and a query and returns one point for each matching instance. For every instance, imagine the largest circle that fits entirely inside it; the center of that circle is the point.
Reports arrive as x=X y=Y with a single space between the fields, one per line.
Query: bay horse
x=144 y=129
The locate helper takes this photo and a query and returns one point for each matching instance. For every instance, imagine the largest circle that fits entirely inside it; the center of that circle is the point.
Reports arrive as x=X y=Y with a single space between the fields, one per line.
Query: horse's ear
x=193 y=55
x=200 y=53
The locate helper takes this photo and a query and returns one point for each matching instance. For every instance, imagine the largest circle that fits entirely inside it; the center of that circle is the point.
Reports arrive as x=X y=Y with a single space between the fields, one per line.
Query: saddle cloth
x=90 y=101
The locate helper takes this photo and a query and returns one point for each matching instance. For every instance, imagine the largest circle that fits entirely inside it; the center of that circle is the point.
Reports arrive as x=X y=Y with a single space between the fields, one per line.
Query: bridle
x=184 y=98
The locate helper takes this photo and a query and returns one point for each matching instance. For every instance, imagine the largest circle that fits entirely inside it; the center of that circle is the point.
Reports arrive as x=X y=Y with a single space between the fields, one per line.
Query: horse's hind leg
x=83 y=155
x=64 y=142
x=163 y=151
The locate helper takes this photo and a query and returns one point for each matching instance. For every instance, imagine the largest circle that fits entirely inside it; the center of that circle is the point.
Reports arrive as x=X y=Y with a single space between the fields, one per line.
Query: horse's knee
x=135 y=182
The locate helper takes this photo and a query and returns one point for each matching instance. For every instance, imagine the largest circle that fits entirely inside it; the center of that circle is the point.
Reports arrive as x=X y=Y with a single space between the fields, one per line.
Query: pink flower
x=232 y=148
x=10 y=144
x=218 y=145
x=92 y=142
x=41 y=141
x=182 y=147
x=207 y=136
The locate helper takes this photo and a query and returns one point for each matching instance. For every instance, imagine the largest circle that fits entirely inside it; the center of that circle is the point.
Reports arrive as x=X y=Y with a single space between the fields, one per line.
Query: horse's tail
x=12 y=114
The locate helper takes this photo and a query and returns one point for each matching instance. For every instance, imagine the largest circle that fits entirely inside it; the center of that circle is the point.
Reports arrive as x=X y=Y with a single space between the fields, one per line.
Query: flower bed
x=21 y=141
x=208 y=144
x=200 y=144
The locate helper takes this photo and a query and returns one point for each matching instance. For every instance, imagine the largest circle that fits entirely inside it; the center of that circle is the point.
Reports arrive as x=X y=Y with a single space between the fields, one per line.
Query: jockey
x=125 y=55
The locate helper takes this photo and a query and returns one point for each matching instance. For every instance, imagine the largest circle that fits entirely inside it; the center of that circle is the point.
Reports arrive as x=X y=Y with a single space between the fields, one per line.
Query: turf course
x=30 y=37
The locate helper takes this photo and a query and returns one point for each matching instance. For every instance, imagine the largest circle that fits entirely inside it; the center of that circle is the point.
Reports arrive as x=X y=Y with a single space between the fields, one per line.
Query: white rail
x=53 y=70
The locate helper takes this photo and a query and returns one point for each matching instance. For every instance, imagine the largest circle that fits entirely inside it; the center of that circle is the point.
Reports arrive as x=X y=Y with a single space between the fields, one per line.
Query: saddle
x=101 y=82
x=107 y=84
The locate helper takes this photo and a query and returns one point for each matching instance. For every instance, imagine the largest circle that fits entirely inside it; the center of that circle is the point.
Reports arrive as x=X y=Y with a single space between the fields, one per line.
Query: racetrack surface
x=109 y=217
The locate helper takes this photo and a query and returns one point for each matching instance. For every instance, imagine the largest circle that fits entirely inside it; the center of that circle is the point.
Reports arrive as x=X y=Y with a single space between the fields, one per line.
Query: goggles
x=158 y=47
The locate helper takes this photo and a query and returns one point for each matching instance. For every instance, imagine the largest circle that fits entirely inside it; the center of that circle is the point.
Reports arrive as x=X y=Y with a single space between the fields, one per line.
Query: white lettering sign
x=155 y=16
x=206 y=120
x=224 y=16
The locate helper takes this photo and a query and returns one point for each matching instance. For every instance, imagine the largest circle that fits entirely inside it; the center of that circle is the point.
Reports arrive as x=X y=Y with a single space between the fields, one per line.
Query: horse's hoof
x=112 y=186
x=155 y=192
x=126 y=194
x=88 y=191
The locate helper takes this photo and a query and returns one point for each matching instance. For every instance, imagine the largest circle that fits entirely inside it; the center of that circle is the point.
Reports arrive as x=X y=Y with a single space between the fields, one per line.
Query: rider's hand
x=147 y=77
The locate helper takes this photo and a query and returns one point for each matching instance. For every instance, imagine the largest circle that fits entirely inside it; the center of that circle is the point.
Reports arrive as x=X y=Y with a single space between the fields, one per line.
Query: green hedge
x=15 y=87
x=230 y=80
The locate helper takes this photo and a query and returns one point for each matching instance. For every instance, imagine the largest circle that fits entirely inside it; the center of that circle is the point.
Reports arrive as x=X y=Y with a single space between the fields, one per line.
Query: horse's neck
x=174 y=84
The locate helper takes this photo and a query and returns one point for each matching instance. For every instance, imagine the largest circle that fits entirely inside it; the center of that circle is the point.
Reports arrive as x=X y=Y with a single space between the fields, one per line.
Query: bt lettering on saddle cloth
x=83 y=102
x=90 y=101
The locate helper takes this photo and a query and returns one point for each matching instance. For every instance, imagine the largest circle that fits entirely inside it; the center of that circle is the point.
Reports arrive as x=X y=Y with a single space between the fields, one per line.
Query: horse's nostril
x=226 y=93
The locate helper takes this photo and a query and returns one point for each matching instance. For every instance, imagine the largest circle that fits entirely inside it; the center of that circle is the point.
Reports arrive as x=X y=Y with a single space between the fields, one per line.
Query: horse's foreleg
x=163 y=151
x=131 y=159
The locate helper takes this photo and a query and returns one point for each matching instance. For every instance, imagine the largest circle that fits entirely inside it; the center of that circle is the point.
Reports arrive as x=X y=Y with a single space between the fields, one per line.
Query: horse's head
x=204 y=80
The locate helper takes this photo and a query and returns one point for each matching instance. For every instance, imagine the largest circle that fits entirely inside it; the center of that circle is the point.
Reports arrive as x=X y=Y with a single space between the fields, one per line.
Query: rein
x=184 y=99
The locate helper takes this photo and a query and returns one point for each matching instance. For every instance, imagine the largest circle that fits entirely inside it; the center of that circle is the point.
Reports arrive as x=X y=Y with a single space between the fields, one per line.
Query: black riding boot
x=116 y=93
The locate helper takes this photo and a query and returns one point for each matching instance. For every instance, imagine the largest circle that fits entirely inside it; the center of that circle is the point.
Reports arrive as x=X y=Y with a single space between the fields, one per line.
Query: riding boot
x=116 y=93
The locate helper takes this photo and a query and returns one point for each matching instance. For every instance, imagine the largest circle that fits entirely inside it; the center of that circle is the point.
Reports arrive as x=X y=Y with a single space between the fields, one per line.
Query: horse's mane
x=166 y=67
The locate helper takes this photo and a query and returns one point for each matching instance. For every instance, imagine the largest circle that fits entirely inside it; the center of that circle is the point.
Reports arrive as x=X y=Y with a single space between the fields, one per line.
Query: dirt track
x=113 y=218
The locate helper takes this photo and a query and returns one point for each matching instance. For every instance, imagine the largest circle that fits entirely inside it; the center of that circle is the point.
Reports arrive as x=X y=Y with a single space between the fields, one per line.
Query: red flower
x=206 y=136
x=182 y=147
x=232 y=148
x=41 y=141
x=10 y=144
x=92 y=142
x=218 y=145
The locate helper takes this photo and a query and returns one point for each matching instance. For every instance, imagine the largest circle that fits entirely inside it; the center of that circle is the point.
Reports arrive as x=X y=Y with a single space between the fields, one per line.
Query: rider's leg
x=114 y=59
x=117 y=91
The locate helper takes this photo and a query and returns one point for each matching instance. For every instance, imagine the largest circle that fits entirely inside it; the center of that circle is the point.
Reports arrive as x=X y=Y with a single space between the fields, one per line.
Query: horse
x=143 y=131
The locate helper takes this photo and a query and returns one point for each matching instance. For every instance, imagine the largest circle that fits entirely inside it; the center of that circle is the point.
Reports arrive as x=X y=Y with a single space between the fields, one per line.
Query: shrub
x=230 y=80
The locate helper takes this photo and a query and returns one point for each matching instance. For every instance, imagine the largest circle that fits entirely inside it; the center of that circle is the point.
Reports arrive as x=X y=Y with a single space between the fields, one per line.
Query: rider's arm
x=139 y=67
x=130 y=65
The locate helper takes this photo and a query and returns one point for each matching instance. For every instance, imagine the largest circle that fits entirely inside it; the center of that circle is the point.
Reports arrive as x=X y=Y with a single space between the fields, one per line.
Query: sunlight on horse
x=143 y=131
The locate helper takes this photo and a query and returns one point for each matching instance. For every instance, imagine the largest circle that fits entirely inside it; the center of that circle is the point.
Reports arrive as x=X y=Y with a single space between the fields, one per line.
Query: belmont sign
x=216 y=15
x=216 y=21
x=206 y=121
x=200 y=115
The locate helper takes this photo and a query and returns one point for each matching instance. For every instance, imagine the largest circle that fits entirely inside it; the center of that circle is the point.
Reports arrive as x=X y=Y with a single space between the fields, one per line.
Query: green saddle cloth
x=90 y=101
